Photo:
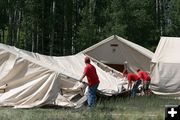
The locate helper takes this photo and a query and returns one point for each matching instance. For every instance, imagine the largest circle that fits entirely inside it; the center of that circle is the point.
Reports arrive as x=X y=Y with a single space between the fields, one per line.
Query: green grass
x=140 y=108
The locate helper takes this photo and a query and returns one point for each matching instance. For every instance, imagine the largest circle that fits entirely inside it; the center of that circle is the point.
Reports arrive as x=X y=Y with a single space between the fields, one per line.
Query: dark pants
x=135 y=88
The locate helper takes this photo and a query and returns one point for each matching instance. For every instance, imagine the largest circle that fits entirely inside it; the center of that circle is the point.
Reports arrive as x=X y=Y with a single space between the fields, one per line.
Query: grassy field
x=140 y=108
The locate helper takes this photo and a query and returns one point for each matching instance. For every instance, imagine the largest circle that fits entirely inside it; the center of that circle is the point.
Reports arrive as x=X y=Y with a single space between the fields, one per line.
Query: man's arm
x=82 y=77
x=129 y=85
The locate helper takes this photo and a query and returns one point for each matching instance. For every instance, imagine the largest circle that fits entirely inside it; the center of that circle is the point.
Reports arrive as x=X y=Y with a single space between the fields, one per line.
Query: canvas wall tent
x=165 y=68
x=36 y=80
x=115 y=51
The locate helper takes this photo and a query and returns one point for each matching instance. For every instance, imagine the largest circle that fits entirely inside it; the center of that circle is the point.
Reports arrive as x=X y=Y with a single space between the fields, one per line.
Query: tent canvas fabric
x=165 y=67
x=35 y=80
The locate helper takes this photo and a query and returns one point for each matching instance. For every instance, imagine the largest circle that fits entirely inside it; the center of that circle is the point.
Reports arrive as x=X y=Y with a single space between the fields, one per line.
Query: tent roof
x=118 y=51
x=167 y=50
x=132 y=45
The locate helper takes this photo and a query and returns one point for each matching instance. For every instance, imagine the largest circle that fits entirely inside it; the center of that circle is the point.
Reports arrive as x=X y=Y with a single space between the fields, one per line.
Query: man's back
x=132 y=77
x=91 y=74
x=144 y=75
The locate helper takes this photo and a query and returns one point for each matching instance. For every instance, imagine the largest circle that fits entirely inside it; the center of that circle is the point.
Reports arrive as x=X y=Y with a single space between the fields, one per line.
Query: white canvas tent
x=115 y=51
x=35 y=80
x=165 y=68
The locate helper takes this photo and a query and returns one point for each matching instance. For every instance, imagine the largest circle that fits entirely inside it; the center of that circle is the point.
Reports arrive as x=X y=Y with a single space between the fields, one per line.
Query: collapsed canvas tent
x=165 y=68
x=33 y=80
x=36 y=80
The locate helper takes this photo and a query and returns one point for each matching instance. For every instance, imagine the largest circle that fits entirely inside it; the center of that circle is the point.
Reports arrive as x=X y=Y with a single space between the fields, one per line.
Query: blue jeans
x=135 y=87
x=91 y=95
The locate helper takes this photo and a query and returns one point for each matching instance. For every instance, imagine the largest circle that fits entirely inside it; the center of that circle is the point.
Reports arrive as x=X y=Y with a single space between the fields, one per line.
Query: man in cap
x=132 y=78
x=93 y=81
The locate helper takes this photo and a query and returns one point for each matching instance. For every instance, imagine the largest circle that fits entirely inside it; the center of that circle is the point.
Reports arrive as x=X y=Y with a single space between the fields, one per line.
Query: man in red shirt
x=93 y=81
x=132 y=78
x=146 y=80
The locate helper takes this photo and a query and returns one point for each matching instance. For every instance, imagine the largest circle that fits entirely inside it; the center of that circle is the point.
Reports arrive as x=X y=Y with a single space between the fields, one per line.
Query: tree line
x=65 y=27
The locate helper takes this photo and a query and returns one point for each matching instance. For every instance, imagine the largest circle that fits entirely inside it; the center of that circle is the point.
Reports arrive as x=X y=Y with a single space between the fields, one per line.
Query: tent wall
x=165 y=67
x=28 y=84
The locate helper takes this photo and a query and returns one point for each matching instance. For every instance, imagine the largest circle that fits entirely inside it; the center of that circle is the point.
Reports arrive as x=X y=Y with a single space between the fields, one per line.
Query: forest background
x=65 y=27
